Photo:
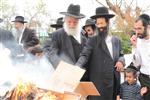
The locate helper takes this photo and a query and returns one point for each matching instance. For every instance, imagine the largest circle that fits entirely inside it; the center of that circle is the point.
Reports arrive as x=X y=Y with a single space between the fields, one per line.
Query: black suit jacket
x=29 y=38
x=61 y=48
x=101 y=64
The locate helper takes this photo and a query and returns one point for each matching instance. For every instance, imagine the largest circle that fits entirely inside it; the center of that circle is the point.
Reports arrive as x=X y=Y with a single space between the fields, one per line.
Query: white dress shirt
x=108 y=41
x=141 y=55
x=20 y=38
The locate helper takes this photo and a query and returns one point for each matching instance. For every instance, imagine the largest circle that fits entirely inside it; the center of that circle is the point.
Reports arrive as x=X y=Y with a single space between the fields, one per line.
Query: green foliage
x=125 y=41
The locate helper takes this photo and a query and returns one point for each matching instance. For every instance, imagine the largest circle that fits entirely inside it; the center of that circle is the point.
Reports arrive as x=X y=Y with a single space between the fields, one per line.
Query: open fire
x=28 y=91
x=36 y=75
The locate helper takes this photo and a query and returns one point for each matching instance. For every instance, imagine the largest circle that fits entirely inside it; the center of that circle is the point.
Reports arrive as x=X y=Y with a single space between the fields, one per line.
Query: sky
x=56 y=6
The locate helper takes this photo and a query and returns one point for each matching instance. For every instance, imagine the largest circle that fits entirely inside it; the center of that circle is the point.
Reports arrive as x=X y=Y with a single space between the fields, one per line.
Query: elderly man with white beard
x=68 y=41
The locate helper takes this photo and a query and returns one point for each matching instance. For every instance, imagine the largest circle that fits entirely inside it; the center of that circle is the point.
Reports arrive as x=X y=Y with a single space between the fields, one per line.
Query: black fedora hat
x=89 y=22
x=19 y=19
x=102 y=12
x=74 y=11
x=59 y=23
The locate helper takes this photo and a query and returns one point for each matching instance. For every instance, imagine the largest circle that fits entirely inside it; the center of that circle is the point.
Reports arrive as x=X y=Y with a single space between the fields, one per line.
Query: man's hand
x=119 y=66
x=133 y=40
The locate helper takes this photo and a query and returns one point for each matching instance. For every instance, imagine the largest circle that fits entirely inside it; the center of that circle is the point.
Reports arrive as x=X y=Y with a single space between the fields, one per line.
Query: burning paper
x=29 y=91
x=66 y=77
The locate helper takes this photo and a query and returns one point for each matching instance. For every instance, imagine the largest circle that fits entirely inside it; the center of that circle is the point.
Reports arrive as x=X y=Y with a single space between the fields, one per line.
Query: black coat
x=61 y=48
x=101 y=65
x=29 y=38
x=7 y=39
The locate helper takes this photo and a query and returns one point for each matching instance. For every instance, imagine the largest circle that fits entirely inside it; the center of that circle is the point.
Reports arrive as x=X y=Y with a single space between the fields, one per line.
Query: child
x=130 y=90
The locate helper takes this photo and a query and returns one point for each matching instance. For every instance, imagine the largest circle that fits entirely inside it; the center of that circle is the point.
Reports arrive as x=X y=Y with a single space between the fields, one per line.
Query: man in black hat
x=104 y=56
x=59 y=23
x=25 y=36
x=141 y=51
x=68 y=41
x=89 y=28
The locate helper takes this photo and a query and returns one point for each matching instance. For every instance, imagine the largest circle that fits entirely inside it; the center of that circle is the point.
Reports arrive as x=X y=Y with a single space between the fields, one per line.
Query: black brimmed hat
x=59 y=23
x=19 y=19
x=102 y=12
x=89 y=22
x=74 y=11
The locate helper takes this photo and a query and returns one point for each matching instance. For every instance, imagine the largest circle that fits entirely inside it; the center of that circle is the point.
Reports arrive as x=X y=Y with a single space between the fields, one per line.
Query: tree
x=7 y=12
x=39 y=18
x=37 y=14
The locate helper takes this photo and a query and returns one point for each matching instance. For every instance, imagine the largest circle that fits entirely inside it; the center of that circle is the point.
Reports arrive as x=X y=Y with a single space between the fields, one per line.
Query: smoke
x=31 y=69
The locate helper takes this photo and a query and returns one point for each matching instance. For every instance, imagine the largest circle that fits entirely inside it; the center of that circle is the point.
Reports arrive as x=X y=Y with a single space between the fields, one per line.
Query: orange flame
x=28 y=91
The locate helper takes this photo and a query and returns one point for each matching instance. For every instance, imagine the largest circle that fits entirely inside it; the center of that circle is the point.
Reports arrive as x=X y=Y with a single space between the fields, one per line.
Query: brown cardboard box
x=81 y=92
x=71 y=96
x=66 y=81
x=85 y=89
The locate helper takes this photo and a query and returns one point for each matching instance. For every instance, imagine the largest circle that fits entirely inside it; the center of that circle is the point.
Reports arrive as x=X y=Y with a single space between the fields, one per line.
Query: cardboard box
x=86 y=89
x=66 y=81
x=71 y=96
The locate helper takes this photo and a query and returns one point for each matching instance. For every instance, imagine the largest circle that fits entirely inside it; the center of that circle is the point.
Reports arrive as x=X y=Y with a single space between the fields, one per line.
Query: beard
x=143 y=35
x=72 y=31
x=18 y=33
x=103 y=32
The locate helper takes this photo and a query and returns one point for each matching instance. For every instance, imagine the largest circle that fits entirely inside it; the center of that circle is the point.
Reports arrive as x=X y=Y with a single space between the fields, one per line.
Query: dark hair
x=145 y=24
x=129 y=70
x=132 y=69
x=146 y=17
x=144 y=21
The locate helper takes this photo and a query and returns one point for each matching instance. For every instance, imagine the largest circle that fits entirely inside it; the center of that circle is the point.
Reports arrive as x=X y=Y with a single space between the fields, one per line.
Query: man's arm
x=51 y=48
x=136 y=55
x=33 y=40
x=86 y=52
x=121 y=60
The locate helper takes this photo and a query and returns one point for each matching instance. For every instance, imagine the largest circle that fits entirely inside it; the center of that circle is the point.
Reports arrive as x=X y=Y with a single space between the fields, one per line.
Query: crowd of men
x=91 y=47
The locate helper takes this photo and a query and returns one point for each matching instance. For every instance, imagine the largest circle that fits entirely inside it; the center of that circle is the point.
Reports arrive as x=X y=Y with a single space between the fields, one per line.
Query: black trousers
x=145 y=81
x=116 y=86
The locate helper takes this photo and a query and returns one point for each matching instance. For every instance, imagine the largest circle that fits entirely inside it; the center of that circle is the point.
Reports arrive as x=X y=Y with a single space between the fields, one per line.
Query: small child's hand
x=143 y=90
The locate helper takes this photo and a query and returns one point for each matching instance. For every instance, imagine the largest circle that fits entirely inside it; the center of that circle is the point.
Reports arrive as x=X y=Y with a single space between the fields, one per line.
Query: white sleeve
x=136 y=57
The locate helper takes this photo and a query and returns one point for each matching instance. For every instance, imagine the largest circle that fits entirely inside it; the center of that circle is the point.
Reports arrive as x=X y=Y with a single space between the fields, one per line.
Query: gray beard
x=71 y=31
x=18 y=34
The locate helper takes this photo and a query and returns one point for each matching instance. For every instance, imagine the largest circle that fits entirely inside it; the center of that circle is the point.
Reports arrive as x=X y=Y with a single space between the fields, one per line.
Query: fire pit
x=28 y=91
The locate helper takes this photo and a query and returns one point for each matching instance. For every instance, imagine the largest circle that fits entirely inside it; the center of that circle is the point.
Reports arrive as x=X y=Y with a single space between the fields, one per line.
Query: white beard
x=71 y=31
x=75 y=32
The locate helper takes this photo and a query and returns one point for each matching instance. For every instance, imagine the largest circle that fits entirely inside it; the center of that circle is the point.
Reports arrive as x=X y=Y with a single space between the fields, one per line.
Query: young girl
x=130 y=89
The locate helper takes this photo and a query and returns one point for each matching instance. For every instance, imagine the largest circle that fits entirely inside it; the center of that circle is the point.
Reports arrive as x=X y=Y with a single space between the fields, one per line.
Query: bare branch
x=116 y=2
x=120 y=3
x=100 y=3
x=131 y=3
x=146 y=9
